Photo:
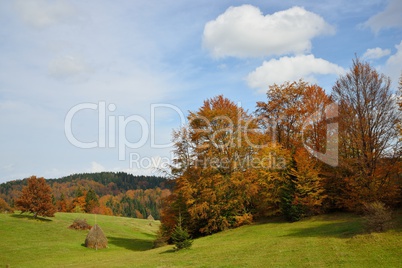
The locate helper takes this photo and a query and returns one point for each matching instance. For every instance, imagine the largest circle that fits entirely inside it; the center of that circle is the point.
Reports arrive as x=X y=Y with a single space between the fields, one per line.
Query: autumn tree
x=296 y=116
x=212 y=158
x=368 y=135
x=5 y=207
x=400 y=104
x=284 y=112
x=309 y=192
x=79 y=201
x=61 y=204
x=269 y=178
x=36 y=198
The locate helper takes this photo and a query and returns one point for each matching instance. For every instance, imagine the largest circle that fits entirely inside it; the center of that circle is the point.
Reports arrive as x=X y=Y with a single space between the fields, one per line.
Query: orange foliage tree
x=309 y=191
x=368 y=136
x=36 y=198
x=400 y=104
x=284 y=112
x=227 y=171
x=286 y=115
x=212 y=156
x=294 y=116
x=5 y=207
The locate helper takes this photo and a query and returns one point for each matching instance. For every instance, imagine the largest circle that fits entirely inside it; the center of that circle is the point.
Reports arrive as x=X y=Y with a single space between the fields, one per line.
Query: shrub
x=80 y=224
x=377 y=217
x=160 y=240
x=4 y=207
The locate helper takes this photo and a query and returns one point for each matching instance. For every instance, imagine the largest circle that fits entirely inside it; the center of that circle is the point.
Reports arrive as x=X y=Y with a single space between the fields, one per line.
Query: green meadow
x=334 y=240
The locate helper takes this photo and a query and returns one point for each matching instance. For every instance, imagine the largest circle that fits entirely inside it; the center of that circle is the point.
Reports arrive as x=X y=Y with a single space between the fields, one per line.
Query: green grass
x=333 y=240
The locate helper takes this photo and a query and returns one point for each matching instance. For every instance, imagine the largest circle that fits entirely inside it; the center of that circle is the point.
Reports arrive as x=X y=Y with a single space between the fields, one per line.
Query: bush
x=80 y=224
x=160 y=240
x=4 y=207
x=377 y=217
x=181 y=238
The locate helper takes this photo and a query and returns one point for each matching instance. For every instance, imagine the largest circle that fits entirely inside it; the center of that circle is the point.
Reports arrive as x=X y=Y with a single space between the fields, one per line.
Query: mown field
x=335 y=240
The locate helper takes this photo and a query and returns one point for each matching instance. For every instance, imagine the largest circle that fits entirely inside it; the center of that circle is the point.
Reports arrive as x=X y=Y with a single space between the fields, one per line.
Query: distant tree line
x=106 y=193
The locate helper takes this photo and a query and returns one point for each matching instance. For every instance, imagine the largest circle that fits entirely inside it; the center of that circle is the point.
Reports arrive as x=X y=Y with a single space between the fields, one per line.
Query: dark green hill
x=122 y=181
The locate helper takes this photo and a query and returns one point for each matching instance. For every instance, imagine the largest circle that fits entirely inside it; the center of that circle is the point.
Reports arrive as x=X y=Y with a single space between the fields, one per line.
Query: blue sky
x=106 y=74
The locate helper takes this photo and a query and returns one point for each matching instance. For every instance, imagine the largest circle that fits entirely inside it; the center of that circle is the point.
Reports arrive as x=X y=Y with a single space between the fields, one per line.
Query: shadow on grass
x=397 y=221
x=131 y=244
x=168 y=251
x=30 y=217
x=337 y=229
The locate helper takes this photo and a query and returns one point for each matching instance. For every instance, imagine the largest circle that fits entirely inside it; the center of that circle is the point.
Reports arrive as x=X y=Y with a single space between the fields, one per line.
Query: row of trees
x=301 y=153
x=87 y=195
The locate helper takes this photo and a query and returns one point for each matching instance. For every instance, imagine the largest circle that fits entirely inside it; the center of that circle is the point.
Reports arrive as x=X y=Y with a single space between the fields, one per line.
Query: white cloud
x=290 y=69
x=245 y=32
x=376 y=53
x=42 y=13
x=96 y=167
x=69 y=67
x=393 y=66
x=390 y=17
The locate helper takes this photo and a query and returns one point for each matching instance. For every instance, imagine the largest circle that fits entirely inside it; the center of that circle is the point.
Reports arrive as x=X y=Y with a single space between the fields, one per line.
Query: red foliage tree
x=36 y=198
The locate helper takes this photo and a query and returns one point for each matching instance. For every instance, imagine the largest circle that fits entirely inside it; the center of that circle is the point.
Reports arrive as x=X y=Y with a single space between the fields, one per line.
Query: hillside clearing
x=323 y=241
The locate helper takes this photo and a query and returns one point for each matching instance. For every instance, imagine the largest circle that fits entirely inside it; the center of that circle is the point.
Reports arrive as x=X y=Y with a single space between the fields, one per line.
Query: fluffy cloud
x=290 y=69
x=41 y=13
x=393 y=66
x=390 y=17
x=245 y=32
x=376 y=53
x=96 y=167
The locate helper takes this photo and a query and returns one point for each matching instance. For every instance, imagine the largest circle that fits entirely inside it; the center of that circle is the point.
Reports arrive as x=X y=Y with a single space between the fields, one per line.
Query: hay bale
x=150 y=218
x=80 y=224
x=96 y=238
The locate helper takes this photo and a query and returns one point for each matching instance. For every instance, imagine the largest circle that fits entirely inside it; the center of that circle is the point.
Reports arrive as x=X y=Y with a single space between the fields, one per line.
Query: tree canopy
x=36 y=198
x=301 y=153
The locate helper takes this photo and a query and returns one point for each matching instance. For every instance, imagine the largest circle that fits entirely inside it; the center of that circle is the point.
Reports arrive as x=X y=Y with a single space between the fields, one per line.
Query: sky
x=90 y=86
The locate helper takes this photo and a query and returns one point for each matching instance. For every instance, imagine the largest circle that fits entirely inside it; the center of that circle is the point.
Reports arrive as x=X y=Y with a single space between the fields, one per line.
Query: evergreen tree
x=91 y=201
x=180 y=236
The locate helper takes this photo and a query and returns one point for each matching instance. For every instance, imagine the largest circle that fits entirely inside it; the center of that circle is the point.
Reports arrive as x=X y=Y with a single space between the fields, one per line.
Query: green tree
x=180 y=237
x=91 y=201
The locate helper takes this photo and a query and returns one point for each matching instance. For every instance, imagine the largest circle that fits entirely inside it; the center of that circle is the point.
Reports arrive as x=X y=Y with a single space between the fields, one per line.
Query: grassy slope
x=323 y=241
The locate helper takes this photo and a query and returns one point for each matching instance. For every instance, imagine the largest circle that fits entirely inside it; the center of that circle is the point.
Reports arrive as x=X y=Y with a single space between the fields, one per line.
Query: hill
x=324 y=241
x=121 y=181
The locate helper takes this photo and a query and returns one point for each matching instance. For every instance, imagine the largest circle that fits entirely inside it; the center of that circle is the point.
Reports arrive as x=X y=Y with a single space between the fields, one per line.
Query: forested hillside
x=106 y=193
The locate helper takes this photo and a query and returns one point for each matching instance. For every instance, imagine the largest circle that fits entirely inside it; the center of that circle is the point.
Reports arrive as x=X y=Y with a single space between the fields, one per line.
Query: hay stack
x=80 y=224
x=150 y=218
x=96 y=238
